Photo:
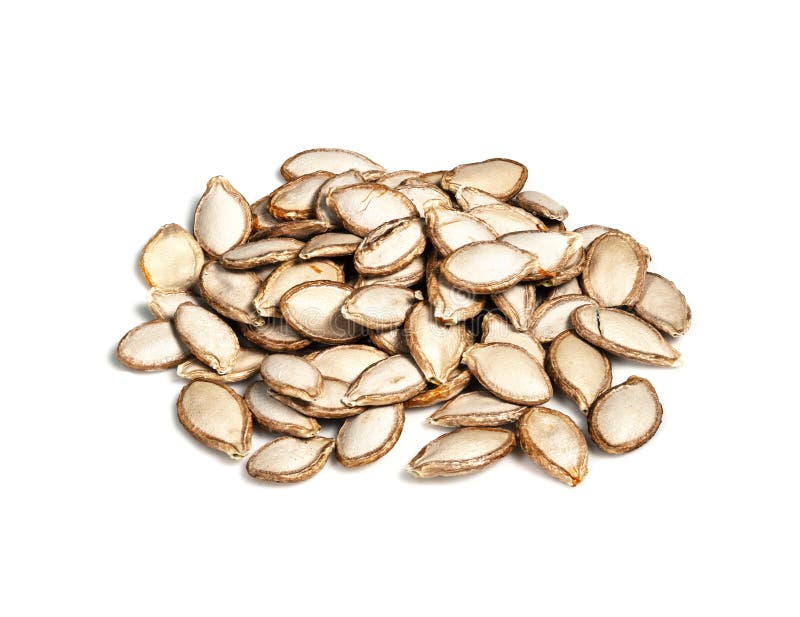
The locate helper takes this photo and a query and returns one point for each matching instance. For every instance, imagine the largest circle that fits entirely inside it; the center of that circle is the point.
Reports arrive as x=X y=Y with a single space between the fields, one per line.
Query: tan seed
x=223 y=218
x=292 y=376
x=663 y=305
x=289 y=275
x=626 y=416
x=247 y=364
x=615 y=269
x=449 y=229
x=541 y=205
x=488 y=267
x=393 y=380
x=231 y=293
x=275 y=416
x=333 y=160
x=370 y=435
x=345 y=362
x=296 y=199
x=579 y=369
x=171 y=260
x=455 y=384
x=518 y=304
x=495 y=329
x=476 y=409
x=436 y=348
x=462 y=451
x=502 y=178
x=509 y=372
x=275 y=335
x=364 y=207
x=330 y=244
x=315 y=310
x=555 y=443
x=261 y=253
x=209 y=338
x=163 y=304
x=380 y=307
x=554 y=316
x=152 y=346
x=391 y=341
x=289 y=459
x=390 y=247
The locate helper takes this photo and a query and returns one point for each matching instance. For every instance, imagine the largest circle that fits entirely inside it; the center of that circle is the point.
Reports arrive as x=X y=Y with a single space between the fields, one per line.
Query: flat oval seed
x=554 y=249
x=509 y=372
x=495 y=329
x=663 y=305
x=449 y=229
x=380 y=307
x=502 y=178
x=626 y=416
x=327 y=405
x=554 y=316
x=261 y=253
x=292 y=376
x=488 y=267
x=330 y=244
x=455 y=384
x=363 y=207
x=461 y=451
x=579 y=369
x=291 y=274
x=391 y=341
x=518 y=304
x=393 y=380
x=614 y=270
x=216 y=416
x=505 y=219
x=151 y=346
x=275 y=416
x=370 y=435
x=476 y=409
x=393 y=179
x=412 y=274
x=624 y=334
x=172 y=259
x=555 y=443
x=209 y=338
x=333 y=160
x=247 y=364
x=222 y=219
x=345 y=362
x=315 y=310
x=390 y=247
x=322 y=209
x=296 y=199
x=163 y=304
x=450 y=305
x=468 y=197
x=425 y=196
x=289 y=459
x=231 y=294
x=275 y=335
x=541 y=205
x=572 y=269
x=436 y=348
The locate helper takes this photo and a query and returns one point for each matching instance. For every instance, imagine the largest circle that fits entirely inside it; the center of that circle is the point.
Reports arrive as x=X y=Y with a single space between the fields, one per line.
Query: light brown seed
x=572 y=269
x=518 y=304
x=412 y=274
x=449 y=229
x=625 y=417
x=614 y=270
x=380 y=307
x=468 y=197
x=333 y=160
x=289 y=459
x=663 y=305
x=461 y=451
x=370 y=435
x=275 y=335
x=554 y=316
x=275 y=416
x=450 y=305
x=433 y=177
x=247 y=364
x=509 y=372
x=315 y=310
x=456 y=382
x=555 y=443
x=322 y=210
x=505 y=219
x=171 y=260
x=210 y=339
x=579 y=369
x=502 y=178
x=302 y=230
x=477 y=408
x=570 y=288
x=390 y=247
x=394 y=179
x=541 y=205
x=488 y=267
x=289 y=275
x=495 y=329
x=555 y=250
x=436 y=348
x=231 y=293
x=363 y=207
x=296 y=199
x=327 y=405
x=331 y=244
x=345 y=362
x=261 y=253
x=393 y=380
x=292 y=376
x=152 y=346
x=163 y=304
x=424 y=195
x=223 y=218
x=590 y=233
x=391 y=341
x=216 y=416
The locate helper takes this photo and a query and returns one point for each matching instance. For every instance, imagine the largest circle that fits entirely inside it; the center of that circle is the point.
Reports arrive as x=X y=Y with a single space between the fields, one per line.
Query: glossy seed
x=449 y=230
x=163 y=304
x=495 y=329
x=541 y=205
x=502 y=178
x=435 y=347
x=171 y=260
x=331 y=244
x=231 y=293
x=223 y=218
x=363 y=207
x=370 y=435
x=455 y=384
x=477 y=408
x=291 y=376
x=152 y=346
x=322 y=210
x=554 y=316
x=393 y=380
x=261 y=253
x=333 y=160
x=296 y=199
x=450 y=305
x=275 y=335
x=614 y=270
x=390 y=247
x=663 y=305
x=518 y=304
x=289 y=459
x=210 y=339
x=315 y=310
x=579 y=369
x=247 y=364
x=505 y=219
x=555 y=443
x=345 y=362
x=509 y=372
x=626 y=416
x=289 y=275
x=380 y=307
x=461 y=451
x=488 y=267
x=275 y=416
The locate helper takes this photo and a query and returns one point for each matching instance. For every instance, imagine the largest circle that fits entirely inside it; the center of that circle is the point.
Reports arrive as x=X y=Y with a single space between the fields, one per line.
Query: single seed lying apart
x=625 y=417
x=555 y=443
x=663 y=305
x=222 y=219
x=172 y=259
x=289 y=459
x=152 y=346
x=461 y=451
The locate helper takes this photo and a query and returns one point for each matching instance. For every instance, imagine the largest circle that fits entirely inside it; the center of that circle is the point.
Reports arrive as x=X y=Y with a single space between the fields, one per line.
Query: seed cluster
x=354 y=294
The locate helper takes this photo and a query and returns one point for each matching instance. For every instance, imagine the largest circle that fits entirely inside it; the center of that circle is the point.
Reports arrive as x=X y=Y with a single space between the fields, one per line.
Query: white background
x=678 y=123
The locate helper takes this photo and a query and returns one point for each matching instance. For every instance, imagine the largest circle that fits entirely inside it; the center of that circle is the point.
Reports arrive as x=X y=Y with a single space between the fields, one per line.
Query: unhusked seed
x=509 y=372
x=555 y=443
x=450 y=305
x=275 y=335
x=163 y=304
x=541 y=205
x=495 y=329
x=369 y=435
x=231 y=293
x=290 y=274
x=152 y=346
x=289 y=459
x=450 y=229
x=469 y=198
x=553 y=249
x=247 y=364
x=476 y=409
x=261 y=253
x=518 y=304
x=394 y=179
x=424 y=195
x=625 y=417
x=327 y=405
x=393 y=380
x=315 y=310
x=663 y=305
x=333 y=160
x=380 y=307
x=390 y=247
x=364 y=207
x=615 y=269
x=488 y=267
x=390 y=341
x=330 y=244
x=456 y=382
x=502 y=178
x=436 y=348
x=412 y=274
x=275 y=416
x=505 y=219
x=209 y=338
x=461 y=451
x=580 y=370
x=553 y=316
x=292 y=376
x=322 y=209
x=296 y=199
x=172 y=259
x=223 y=218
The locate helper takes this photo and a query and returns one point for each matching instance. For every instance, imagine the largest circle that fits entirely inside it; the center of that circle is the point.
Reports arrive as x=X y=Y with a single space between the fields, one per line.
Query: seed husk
x=495 y=329
x=449 y=229
x=488 y=267
x=391 y=341
x=231 y=293
x=461 y=451
x=477 y=408
x=222 y=219
x=296 y=200
x=289 y=459
x=579 y=369
x=171 y=260
x=315 y=310
x=291 y=274
x=393 y=380
x=152 y=346
x=424 y=195
x=275 y=416
x=331 y=244
x=333 y=160
x=345 y=362
x=247 y=364
x=322 y=210
x=216 y=416
x=555 y=443
x=263 y=221
x=455 y=384
x=518 y=304
x=302 y=230
x=663 y=305
x=554 y=316
x=502 y=178
x=505 y=219
x=436 y=348
x=541 y=205
x=468 y=197
x=590 y=233
x=554 y=249
x=450 y=305
x=572 y=269
x=509 y=372
x=394 y=179
x=625 y=417
x=163 y=304
x=412 y=274
x=275 y=335
x=614 y=270
x=210 y=339
x=370 y=435
x=390 y=247
x=292 y=376
x=380 y=307
x=327 y=405
x=261 y=253
x=624 y=334
x=363 y=207
x=433 y=177
x=569 y=288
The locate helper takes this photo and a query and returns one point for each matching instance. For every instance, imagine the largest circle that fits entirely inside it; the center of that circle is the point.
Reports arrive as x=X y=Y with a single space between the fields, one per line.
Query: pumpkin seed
x=289 y=275
x=345 y=362
x=301 y=230
x=541 y=205
x=380 y=307
x=390 y=247
x=412 y=274
x=231 y=293
x=289 y=459
x=572 y=269
x=209 y=338
x=625 y=417
x=291 y=376
x=663 y=305
x=315 y=310
x=263 y=221
x=363 y=207
x=222 y=219
x=296 y=200
x=450 y=305
x=171 y=260
x=333 y=160
x=247 y=364
x=615 y=269
x=391 y=341
x=275 y=335
x=461 y=451
x=555 y=443
x=330 y=244
x=590 y=233
x=370 y=435
x=322 y=210
x=436 y=348
x=488 y=267
x=579 y=369
x=623 y=334
x=261 y=252
x=151 y=346
x=505 y=219
x=327 y=405
x=476 y=409
x=554 y=249
x=570 y=288
x=424 y=195
x=163 y=304
x=393 y=380
x=468 y=197
x=394 y=179
x=495 y=329
x=554 y=316
x=509 y=372
x=502 y=178
x=456 y=382
x=449 y=229
x=216 y=416
x=433 y=177
x=275 y=416
x=263 y=272
x=518 y=304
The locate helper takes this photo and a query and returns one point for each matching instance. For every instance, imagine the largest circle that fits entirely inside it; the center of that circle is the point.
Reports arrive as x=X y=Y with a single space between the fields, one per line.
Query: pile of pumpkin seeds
x=352 y=294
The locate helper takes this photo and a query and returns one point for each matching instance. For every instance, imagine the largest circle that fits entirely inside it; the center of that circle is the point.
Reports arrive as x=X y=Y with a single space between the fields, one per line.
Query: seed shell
x=302 y=230
x=505 y=219
x=555 y=443
x=275 y=416
x=322 y=210
x=554 y=316
x=450 y=305
x=569 y=288
x=477 y=408
x=223 y=218
x=380 y=307
x=171 y=260
x=333 y=160
x=454 y=385
x=663 y=305
x=289 y=459
x=231 y=293
x=461 y=451
x=327 y=405
x=488 y=267
x=296 y=199
x=151 y=346
x=261 y=253
x=292 y=376
x=433 y=177
x=579 y=369
x=247 y=364
x=370 y=435
x=291 y=274
x=468 y=197
x=502 y=178
x=163 y=304
x=315 y=310
x=541 y=205
x=436 y=348
x=394 y=179
x=412 y=274
x=449 y=230
x=210 y=339
x=518 y=304
x=275 y=335
x=393 y=380
x=554 y=249
x=614 y=270
x=625 y=417
x=331 y=244
x=391 y=341
x=345 y=362
x=509 y=372
x=495 y=329
x=390 y=247
x=424 y=195
x=363 y=207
